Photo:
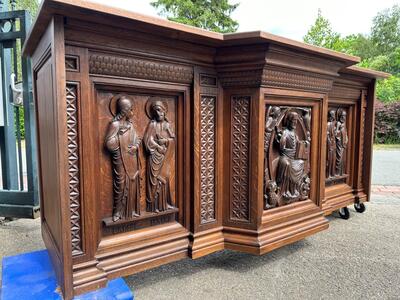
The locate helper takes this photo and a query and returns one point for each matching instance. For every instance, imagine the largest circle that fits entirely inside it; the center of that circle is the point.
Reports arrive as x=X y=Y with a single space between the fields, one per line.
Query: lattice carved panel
x=240 y=135
x=207 y=158
x=73 y=167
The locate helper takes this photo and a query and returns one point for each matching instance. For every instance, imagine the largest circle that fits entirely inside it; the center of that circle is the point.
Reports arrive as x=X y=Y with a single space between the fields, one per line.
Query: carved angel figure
x=331 y=145
x=159 y=141
x=290 y=168
x=341 y=141
x=271 y=196
x=123 y=142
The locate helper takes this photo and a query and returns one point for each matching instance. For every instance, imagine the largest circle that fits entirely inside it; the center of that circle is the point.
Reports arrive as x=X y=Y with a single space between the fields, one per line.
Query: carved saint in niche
x=341 y=141
x=331 y=145
x=290 y=167
x=159 y=141
x=123 y=142
x=288 y=137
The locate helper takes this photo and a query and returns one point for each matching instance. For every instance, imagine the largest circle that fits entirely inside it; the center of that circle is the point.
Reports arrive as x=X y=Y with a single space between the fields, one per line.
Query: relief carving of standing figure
x=341 y=142
x=159 y=141
x=123 y=142
x=290 y=169
x=331 y=145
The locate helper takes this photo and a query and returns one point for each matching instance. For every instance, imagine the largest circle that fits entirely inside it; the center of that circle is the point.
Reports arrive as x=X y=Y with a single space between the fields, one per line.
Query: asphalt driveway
x=353 y=259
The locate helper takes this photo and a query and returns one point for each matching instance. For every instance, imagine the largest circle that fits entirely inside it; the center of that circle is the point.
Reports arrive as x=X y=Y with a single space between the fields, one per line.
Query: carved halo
x=151 y=101
x=113 y=103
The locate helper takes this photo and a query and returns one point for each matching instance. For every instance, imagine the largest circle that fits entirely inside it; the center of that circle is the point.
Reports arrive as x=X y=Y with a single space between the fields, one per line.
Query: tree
x=212 y=15
x=321 y=34
x=385 y=32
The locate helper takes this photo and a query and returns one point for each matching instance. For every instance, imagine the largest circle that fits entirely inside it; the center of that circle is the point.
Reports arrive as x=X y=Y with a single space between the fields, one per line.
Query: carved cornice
x=293 y=80
x=245 y=78
x=339 y=91
x=105 y=64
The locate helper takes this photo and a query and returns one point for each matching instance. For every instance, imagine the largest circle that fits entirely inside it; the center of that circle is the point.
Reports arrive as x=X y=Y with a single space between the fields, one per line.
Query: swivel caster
x=344 y=213
x=359 y=207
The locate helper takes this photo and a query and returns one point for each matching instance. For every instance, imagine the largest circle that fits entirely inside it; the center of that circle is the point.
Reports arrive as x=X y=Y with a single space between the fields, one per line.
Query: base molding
x=206 y=242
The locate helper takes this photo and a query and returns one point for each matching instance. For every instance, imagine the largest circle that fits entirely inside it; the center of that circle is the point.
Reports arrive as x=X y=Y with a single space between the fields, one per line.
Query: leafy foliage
x=380 y=50
x=387 y=123
x=212 y=15
x=321 y=34
x=385 y=33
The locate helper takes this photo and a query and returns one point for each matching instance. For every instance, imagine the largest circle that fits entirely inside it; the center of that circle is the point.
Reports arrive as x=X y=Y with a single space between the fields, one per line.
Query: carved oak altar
x=159 y=141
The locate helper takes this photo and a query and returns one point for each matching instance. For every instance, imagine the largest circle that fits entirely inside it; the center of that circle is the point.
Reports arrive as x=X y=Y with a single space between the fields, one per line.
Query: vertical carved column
x=73 y=167
x=207 y=159
x=240 y=112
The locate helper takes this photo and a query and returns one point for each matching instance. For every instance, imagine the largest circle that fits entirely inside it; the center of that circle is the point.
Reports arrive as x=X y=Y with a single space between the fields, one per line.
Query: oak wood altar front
x=159 y=141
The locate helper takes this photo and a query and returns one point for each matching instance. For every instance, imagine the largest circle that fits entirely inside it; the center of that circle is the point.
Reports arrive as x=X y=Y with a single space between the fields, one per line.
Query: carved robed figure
x=341 y=141
x=123 y=142
x=331 y=145
x=290 y=169
x=159 y=141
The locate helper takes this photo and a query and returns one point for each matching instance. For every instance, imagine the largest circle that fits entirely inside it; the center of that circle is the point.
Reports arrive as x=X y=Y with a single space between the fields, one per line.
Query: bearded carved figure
x=287 y=156
x=123 y=142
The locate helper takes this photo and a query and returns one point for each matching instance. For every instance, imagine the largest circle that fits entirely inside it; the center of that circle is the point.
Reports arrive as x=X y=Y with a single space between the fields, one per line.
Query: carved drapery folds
x=159 y=141
x=287 y=139
x=240 y=136
x=207 y=159
x=73 y=167
x=337 y=140
x=142 y=153
x=122 y=141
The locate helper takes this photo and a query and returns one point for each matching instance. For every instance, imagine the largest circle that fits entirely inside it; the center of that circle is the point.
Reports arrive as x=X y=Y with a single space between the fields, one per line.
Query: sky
x=288 y=18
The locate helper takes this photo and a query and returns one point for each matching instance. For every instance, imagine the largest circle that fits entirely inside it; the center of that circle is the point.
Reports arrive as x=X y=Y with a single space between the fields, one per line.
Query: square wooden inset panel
x=72 y=63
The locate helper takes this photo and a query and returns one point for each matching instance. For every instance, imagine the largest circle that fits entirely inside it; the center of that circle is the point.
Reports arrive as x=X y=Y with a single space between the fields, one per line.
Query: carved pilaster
x=207 y=159
x=240 y=136
x=73 y=168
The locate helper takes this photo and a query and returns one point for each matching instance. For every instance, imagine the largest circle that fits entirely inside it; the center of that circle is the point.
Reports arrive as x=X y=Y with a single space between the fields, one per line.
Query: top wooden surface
x=99 y=13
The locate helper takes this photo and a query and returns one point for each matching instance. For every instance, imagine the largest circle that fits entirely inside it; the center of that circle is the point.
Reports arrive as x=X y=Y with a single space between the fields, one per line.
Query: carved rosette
x=287 y=140
x=73 y=168
x=207 y=159
x=240 y=135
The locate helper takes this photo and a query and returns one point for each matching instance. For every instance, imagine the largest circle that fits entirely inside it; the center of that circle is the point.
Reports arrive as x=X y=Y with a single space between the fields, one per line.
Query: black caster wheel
x=344 y=213
x=359 y=207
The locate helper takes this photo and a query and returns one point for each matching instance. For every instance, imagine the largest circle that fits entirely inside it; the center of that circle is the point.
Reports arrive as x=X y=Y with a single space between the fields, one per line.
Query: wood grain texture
x=159 y=141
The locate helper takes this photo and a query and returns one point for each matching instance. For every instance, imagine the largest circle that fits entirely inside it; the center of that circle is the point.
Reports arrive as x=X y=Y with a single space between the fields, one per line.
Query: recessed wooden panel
x=137 y=160
x=240 y=156
x=207 y=158
x=287 y=143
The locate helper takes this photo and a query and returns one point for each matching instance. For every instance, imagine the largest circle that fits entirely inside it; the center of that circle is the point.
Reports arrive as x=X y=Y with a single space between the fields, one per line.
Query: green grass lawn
x=386 y=146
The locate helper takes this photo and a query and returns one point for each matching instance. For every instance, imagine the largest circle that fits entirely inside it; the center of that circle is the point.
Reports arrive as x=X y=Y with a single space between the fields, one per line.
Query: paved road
x=386 y=167
x=353 y=259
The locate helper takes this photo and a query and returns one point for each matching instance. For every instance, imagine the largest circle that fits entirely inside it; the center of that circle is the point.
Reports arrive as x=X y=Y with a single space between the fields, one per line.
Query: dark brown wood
x=158 y=141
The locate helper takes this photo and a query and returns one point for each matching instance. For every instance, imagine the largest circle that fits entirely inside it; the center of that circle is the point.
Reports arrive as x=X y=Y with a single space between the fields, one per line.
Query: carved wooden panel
x=73 y=167
x=138 y=163
x=72 y=63
x=208 y=80
x=240 y=137
x=287 y=142
x=105 y=64
x=337 y=143
x=207 y=158
x=278 y=78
